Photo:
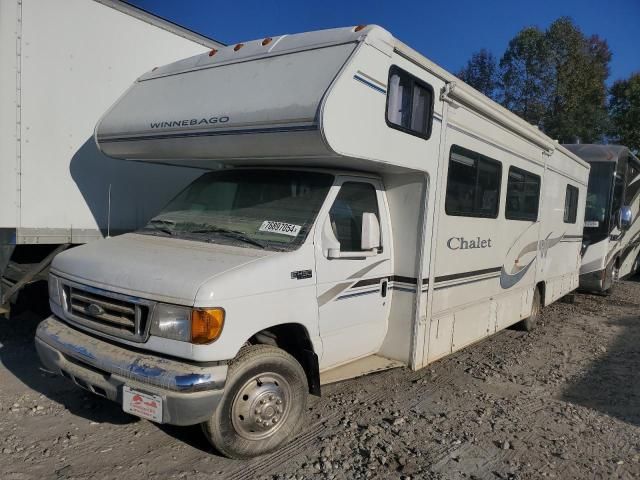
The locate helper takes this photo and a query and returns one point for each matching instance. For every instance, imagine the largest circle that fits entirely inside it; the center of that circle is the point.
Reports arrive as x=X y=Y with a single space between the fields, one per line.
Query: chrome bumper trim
x=144 y=368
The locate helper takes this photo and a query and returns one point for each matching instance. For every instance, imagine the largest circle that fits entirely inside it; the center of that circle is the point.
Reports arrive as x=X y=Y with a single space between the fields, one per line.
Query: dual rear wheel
x=528 y=324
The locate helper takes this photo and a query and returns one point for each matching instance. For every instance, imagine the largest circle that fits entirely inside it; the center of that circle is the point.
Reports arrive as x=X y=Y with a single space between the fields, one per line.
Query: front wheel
x=263 y=403
x=528 y=324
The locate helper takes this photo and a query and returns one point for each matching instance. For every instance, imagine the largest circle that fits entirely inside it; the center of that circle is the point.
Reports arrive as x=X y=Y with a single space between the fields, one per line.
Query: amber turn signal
x=358 y=28
x=206 y=325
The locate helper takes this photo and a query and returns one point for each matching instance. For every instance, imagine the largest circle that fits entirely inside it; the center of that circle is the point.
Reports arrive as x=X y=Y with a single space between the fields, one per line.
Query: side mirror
x=625 y=218
x=370 y=239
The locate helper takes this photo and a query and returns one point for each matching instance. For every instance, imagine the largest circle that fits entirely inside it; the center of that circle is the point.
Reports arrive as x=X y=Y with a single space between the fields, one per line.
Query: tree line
x=555 y=79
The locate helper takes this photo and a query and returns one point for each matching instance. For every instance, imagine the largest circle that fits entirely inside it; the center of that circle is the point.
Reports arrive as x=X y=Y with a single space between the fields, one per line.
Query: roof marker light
x=213 y=52
x=267 y=41
x=238 y=47
x=358 y=28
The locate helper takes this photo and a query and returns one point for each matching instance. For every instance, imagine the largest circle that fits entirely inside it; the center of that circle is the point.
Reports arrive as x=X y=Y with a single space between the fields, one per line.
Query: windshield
x=597 y=211
x=267 y=209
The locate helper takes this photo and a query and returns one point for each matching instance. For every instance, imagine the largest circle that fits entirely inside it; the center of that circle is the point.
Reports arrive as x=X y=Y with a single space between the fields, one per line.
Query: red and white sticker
x=142 y=404
x=280 y=227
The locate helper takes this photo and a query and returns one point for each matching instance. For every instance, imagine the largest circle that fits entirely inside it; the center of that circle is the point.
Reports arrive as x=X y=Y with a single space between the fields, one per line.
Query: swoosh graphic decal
x=336 y=290
x=508 y=280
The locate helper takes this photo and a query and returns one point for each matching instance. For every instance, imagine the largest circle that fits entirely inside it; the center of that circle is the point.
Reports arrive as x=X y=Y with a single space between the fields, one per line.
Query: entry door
x=353 y=293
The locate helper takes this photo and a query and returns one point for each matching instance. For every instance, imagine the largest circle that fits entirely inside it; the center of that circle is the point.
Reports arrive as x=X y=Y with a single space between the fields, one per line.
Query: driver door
x=352 y=289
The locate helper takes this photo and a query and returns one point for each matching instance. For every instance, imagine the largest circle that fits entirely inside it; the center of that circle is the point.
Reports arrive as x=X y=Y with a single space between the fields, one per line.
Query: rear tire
x=528 y=324
x=263 y=404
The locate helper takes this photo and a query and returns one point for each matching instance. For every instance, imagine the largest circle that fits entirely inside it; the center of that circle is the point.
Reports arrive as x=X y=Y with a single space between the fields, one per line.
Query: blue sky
x=445 y=31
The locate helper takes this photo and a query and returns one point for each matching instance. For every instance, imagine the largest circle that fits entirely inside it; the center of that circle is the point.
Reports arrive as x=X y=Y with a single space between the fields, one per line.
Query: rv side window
x=409 y=103
x=571 y=204
x=523 y=195
x=473 y=184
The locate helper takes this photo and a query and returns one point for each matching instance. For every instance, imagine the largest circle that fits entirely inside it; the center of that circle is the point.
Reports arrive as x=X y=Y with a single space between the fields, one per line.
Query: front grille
x=107 y=312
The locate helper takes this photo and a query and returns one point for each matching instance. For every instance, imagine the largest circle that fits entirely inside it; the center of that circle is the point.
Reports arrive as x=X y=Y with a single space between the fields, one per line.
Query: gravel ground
x=562 y=402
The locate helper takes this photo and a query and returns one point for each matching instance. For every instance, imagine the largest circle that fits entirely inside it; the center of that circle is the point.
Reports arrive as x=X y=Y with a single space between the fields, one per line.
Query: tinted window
x=354 y=199
x=523 y=195
x=409 y=103
x=633 y=183
x=570 y=204
x=473 y=184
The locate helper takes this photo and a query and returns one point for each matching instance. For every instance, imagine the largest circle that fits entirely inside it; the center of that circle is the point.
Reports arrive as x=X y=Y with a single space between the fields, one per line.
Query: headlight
x=54 y=290
x=200 y=325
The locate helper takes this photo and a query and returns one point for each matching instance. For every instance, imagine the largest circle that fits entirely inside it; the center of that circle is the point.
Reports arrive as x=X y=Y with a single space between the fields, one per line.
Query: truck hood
x=156 y=268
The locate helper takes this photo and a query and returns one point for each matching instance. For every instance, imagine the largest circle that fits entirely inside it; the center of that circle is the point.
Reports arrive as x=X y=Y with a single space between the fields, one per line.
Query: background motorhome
x=420 y=217
x=611 y=244
x=62 y=63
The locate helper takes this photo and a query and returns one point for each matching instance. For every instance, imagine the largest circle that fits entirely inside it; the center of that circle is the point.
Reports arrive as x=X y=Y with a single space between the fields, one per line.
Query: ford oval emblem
x=95 y=310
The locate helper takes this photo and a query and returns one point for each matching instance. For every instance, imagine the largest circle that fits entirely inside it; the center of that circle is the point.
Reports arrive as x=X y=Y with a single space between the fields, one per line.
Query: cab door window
x=354 y=199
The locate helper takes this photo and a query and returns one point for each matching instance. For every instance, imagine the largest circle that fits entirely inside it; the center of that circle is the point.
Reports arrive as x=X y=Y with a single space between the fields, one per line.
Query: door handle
x=384 y=286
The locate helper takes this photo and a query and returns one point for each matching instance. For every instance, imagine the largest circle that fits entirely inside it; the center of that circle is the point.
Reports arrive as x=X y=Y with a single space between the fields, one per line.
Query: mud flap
x=7 y=246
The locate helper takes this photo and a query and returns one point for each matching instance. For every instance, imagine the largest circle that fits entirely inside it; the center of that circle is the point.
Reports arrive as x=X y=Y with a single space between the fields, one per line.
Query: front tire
x=263 y=404
x=528 y=324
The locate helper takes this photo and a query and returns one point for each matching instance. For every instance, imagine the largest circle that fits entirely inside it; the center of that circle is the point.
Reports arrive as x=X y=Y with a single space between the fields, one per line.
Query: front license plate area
x=143 y=405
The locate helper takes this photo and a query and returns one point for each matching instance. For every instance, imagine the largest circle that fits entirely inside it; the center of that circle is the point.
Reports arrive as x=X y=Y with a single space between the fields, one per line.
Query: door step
x=357 y=368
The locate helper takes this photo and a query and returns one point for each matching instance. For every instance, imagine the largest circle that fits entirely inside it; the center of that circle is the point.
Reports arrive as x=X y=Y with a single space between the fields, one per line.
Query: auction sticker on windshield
x=280 y=227
x=142 y=404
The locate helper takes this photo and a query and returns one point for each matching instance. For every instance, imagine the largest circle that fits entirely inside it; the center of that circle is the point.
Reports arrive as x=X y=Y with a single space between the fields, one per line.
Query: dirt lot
x=562 y=402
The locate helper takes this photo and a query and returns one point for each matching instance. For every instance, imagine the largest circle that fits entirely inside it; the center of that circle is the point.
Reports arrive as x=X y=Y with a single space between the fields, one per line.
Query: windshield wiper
x=236 y=234
x=157 y=222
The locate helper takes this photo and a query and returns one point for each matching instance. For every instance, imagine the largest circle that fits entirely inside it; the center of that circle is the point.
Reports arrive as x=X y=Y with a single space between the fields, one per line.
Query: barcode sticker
x=280 y=227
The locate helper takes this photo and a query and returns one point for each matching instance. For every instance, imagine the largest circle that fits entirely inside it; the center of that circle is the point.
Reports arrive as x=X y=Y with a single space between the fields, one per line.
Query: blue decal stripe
x=369 y=84
x=246 y=131
x=403 y=289
x=358 y=294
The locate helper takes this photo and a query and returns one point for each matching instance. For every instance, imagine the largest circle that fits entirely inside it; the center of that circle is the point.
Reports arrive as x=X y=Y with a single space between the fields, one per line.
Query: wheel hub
x=261 y=406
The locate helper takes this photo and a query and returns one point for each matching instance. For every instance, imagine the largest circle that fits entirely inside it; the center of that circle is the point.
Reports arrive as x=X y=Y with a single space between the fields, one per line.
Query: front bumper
x=593 y=281
x=190 y=392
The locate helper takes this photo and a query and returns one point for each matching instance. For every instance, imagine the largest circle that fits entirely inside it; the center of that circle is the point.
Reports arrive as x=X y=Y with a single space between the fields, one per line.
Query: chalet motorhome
x=363 y=210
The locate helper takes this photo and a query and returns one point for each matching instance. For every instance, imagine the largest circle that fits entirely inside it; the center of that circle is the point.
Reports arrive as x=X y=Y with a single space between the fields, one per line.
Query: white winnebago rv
x=367 y=210
x=62 y=64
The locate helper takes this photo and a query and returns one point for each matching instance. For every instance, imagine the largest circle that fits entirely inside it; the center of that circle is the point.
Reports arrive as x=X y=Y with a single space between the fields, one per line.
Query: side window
x=473 y=184
x=409 y=103
x=523 y=195
x=633 y=183
x=618 y=188
x=571 y=204
x=354 y=199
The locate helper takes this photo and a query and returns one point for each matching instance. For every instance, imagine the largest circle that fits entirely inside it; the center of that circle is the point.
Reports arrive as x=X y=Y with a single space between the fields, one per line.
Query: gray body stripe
x=336 y=290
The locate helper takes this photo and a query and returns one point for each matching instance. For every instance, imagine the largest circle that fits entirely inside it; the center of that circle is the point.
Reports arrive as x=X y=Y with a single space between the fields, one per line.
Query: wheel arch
x=294 y=339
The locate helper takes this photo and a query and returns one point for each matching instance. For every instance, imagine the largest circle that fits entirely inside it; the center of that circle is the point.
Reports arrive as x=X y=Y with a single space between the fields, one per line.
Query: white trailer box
x=62 y=64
